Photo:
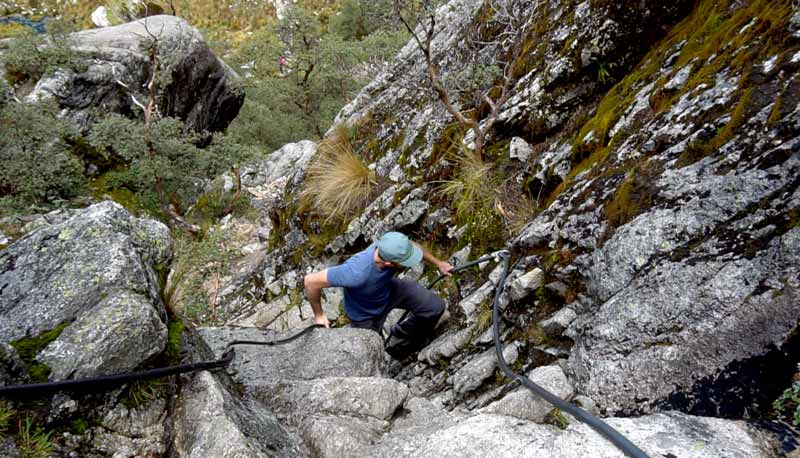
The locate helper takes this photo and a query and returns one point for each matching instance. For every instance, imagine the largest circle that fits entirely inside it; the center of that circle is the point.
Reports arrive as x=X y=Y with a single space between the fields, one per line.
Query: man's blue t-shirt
x=366 y=289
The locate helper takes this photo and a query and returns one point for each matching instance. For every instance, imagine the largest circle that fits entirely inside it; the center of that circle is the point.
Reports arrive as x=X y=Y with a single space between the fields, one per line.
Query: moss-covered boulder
x=83 y=295
x=117 y=69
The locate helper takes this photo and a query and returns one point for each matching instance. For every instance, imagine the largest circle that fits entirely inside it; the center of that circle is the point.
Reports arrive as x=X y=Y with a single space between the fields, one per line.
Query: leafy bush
x=359 y=18
x=31 y=56
x=196 y=263
x=788 y=404
x=164 y=163
x=36 y=166
x=338 y=183
x=324 y=71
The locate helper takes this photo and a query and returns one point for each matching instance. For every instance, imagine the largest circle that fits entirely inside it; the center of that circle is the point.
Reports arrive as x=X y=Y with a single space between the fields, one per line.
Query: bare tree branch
x=514 y=26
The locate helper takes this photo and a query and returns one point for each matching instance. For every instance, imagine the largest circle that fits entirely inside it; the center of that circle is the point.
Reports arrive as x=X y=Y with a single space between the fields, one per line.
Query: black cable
x=456 y=269
x=108 y=382
x=271 y=343
x=594 y=422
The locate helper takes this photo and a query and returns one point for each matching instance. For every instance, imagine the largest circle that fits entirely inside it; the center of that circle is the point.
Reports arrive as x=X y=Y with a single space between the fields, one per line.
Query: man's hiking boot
x=400 y=347
x=397 y=331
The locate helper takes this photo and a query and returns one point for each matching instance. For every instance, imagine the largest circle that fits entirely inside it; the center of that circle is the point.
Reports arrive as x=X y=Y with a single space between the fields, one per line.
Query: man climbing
x=371 y=291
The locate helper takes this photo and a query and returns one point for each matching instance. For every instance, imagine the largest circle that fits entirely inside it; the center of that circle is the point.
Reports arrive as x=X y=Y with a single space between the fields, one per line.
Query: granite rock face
x=321 y=353
x=657 y=435
x=364 y=397
x=522 y=403
x=96 y=273
x=125 y=328
x=210 y=421
x=663 y=171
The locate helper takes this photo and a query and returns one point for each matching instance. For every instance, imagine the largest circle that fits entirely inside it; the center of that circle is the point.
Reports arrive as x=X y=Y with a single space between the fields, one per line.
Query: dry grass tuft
x=516 y=206
x=338 y=183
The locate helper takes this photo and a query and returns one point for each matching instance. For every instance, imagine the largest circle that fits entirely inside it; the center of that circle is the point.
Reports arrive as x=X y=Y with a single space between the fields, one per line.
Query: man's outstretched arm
x=443 y=266
x=314 y=282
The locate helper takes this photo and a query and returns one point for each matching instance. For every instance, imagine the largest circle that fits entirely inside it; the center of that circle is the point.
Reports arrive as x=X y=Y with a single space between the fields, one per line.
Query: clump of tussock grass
x=338 y=182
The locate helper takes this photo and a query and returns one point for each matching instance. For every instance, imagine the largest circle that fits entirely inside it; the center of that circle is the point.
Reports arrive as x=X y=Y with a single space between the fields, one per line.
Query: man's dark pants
x=425 y=306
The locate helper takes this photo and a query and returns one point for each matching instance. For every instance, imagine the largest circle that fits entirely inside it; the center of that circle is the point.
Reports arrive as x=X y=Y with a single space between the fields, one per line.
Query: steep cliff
x=643 y=173
x=656 y=150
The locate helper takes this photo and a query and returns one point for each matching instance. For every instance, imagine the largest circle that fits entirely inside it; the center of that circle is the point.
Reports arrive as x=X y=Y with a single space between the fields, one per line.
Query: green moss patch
x=175 y=328
x=633 y=197
x=29 y=347
x=717 y=37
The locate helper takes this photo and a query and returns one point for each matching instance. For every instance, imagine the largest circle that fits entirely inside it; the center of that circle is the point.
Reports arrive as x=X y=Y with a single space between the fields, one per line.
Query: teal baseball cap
x=396 y=247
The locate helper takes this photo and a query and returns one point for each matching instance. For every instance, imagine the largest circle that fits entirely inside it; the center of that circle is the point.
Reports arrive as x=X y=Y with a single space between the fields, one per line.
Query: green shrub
x=324 y=71
x=360 y=18
x=36 y=166
x=788 y=404
x=196 y=262
x=11 y=30
x=163 y=163
x=31 y=56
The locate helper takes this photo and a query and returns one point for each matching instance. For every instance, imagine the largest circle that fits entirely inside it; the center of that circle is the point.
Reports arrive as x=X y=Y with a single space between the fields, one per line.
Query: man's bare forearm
x=314 y=296
x=313 y=284
x=427 y=256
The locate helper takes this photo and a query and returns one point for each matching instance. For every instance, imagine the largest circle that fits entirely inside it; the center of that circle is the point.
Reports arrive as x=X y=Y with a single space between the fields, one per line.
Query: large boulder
x=322 y=353
x=667 y=434
x=94 y=276
x=211 y=421
x=117 y=70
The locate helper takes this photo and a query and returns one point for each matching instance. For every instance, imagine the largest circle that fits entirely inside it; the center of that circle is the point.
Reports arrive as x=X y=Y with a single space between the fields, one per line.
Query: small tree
x=324 y=71
x=493 y=48
x=36 y=167
x=165 y=164
x=359 y=18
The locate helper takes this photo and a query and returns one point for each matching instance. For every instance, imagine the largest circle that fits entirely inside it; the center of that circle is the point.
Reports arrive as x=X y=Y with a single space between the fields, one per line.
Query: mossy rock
x=29 y=347
x=633 y=197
